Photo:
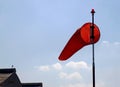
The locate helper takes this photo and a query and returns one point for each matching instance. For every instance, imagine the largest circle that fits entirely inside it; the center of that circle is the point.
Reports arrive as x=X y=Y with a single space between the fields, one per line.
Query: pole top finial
x=92 y=11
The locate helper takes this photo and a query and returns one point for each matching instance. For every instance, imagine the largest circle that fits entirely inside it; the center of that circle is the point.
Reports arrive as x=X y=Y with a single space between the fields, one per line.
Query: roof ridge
x=8 y=70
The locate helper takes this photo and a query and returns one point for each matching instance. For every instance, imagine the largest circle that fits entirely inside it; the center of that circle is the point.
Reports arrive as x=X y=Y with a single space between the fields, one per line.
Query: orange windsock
x=79 y=39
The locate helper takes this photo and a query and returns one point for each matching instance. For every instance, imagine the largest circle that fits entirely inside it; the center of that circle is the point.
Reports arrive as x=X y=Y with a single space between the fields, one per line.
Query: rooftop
x=31 y=84
x=5 y=73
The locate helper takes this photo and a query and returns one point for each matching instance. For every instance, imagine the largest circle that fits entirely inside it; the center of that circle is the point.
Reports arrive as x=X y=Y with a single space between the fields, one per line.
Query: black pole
x=92 y=42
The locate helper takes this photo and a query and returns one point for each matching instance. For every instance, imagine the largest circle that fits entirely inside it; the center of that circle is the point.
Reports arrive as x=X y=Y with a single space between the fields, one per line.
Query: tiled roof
x=3 y=77
x=5 y=73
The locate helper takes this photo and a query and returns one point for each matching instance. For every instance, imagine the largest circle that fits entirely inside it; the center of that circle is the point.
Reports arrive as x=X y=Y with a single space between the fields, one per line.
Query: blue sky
x=34 y=32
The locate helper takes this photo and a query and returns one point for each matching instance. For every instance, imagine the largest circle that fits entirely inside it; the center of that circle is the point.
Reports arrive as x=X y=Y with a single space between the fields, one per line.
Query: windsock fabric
x=79 y=39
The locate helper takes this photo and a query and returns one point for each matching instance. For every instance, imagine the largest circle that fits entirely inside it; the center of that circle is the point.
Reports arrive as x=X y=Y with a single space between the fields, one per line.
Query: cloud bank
x=67 y=71
x=58 y=66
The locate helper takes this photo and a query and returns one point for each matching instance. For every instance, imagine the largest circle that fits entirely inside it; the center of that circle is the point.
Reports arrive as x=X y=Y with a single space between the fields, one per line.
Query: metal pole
x=92 y=42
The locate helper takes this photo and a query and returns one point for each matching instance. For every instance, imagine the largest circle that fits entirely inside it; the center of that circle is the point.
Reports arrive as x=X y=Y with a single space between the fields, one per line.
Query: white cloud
x=77 y=65
x=57 y=66
x=74 y=75
x=116 y=43
x=83 y=85
x=63 y=75
x=77 y=85
x=111 y=48
x=105 y=42
x=43 y=68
